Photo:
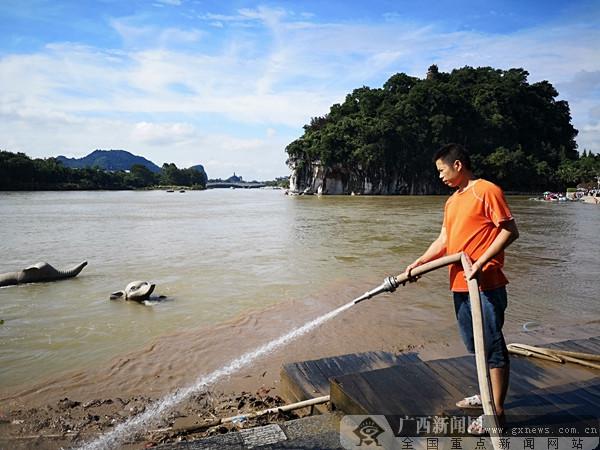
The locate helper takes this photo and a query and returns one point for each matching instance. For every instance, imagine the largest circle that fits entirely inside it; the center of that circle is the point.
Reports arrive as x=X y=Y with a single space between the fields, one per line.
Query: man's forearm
x=508 y=234
x=435 y=250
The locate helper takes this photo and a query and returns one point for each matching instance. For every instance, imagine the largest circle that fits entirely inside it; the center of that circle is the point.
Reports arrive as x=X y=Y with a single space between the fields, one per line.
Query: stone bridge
x=227 y=184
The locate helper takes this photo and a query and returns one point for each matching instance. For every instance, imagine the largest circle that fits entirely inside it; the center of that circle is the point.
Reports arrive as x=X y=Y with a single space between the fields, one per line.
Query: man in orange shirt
x=477 y=221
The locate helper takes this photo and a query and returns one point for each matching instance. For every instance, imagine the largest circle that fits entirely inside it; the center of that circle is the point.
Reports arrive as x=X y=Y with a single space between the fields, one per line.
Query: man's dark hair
x=453 y=152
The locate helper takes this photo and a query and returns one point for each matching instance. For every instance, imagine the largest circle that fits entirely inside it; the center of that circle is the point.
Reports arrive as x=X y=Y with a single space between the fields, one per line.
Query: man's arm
x=508 y=234
x=435 y=250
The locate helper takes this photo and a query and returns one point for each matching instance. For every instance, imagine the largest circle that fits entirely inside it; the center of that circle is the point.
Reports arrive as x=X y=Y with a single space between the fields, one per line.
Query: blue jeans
x=493 y=304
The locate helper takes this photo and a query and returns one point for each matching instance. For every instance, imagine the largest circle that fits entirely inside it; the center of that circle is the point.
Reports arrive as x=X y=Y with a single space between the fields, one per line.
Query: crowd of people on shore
x=579 y=195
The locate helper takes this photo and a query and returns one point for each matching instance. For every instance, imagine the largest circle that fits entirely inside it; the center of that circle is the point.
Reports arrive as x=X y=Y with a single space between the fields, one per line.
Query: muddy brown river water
x=242 y=267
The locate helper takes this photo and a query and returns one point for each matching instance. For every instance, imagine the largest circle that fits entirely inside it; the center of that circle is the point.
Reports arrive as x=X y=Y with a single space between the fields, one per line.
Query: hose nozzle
x=389 y=285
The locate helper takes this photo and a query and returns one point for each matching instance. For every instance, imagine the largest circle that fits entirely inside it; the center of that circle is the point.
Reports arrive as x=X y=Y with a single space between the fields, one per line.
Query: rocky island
x=381 y=141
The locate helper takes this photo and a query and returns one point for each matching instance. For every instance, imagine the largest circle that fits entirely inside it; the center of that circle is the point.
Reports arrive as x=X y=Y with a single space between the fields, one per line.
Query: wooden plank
x=529 y=375
x=539 y=390
x=412 y=389
x=580 y=345
x=541 y=374
x=459 y=372
x=581 y=398
x=526 y=373
x=564 y=405
x=343 y=401
x=592 y=343
x=307 y=379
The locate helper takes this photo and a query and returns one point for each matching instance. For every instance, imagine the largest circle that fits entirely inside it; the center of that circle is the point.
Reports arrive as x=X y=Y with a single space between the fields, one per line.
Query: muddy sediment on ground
x=69 y=422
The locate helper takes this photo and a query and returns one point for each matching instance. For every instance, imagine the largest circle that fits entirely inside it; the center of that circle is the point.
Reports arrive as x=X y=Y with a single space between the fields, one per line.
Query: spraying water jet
x=153 y=413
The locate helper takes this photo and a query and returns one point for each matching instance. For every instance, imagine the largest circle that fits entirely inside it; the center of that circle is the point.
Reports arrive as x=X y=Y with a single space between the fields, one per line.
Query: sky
x=228 y=84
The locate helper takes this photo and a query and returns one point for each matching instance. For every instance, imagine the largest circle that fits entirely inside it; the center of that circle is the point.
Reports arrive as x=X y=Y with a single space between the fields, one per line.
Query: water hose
x=492 y=424
x=391 y=283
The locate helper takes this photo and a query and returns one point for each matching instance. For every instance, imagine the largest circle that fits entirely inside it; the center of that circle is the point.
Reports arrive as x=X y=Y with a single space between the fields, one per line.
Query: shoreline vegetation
x=18 y=172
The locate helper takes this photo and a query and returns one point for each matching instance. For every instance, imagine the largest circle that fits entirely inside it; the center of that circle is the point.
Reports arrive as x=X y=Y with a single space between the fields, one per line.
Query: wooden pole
x=524 y=352
x=556 y=355
x=490 y=421
x=557 y=352
x=252 y=415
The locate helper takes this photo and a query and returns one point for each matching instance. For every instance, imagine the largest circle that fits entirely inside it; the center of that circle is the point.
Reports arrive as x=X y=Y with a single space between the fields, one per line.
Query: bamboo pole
x=581 y=362
x=483 y=371
x=252 y=415
x=525 y=352
x=558 y=352
x=556 y=355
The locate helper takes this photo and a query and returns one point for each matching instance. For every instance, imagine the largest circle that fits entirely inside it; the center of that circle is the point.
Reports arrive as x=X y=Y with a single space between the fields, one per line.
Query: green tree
x=519 y=132
x=170 y=175
x=141 y=176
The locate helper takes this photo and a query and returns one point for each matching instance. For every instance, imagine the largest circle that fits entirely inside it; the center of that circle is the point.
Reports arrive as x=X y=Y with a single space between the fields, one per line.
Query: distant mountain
x=108 y=160
x=199 y=168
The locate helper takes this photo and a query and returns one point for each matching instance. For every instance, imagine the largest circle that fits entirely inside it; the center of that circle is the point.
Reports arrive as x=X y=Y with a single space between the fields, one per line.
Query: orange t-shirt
x=472 y=219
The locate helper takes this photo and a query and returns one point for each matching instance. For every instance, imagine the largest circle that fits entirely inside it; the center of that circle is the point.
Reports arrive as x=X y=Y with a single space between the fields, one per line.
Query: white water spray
x=132 y=425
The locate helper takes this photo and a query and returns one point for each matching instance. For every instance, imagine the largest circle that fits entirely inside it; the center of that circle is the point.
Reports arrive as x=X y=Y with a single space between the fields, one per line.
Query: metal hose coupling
x=389 y=285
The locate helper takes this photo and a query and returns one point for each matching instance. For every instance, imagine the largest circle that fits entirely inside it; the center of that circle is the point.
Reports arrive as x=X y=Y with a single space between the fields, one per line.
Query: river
x=224 y=256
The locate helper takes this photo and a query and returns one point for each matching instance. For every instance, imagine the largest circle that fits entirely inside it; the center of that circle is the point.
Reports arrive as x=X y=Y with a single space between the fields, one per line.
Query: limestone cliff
x=315 y=178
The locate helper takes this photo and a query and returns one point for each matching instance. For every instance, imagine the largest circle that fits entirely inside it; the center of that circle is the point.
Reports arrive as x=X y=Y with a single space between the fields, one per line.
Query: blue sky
x=230 y=84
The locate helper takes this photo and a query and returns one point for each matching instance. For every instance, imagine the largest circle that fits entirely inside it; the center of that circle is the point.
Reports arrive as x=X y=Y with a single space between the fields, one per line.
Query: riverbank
x=78 y=407
x=592 y=200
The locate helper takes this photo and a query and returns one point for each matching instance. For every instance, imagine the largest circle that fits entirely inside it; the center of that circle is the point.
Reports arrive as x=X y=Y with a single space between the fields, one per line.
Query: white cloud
x=589 y=137
x=70 y=98
x=582 y=84
x=151 y=36
x=169 y=2
x=162 y=134
x=260 y=14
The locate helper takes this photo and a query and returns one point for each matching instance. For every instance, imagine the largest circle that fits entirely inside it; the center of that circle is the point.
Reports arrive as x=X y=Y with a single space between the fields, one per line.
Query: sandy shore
x=591 y=200
x=80 y=406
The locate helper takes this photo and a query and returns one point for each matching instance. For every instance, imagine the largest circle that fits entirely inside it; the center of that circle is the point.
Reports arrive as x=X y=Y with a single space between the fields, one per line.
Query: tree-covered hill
x=381 y=140
x=108 y=160
x=19 y=172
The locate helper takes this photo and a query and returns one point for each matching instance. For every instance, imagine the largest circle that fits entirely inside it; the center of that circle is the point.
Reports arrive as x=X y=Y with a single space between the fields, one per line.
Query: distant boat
x=182 y=191
x=170 y=190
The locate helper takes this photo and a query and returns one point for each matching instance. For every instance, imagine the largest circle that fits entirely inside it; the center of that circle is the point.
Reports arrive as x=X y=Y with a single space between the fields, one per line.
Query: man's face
x=449 y=173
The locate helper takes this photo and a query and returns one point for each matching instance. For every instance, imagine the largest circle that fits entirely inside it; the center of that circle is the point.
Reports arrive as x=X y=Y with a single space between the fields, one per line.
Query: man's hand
x=475 y=269
x=410 y=267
